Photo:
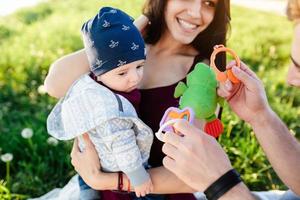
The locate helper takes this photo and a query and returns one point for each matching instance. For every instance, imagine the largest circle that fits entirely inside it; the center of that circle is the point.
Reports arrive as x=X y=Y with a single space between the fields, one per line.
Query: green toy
x=200 y=94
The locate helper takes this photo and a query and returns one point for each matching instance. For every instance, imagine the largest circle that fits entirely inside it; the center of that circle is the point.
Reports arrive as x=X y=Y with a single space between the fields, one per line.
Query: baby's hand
x=144 y=189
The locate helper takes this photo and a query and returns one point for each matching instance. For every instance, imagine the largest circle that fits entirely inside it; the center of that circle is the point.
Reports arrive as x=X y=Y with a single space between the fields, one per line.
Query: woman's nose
x=194 y=9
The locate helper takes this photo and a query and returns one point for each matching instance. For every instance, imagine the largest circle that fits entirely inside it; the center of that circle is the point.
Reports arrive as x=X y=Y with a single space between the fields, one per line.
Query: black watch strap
x=222 y=185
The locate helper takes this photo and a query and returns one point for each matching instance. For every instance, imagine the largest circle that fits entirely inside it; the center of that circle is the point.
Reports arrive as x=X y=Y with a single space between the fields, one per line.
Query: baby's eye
x=122 y=74
x=140 y=66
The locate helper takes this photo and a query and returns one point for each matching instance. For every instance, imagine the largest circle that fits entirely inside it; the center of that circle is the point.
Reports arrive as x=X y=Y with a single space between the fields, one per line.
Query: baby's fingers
x=143 y=193
x=137 y=194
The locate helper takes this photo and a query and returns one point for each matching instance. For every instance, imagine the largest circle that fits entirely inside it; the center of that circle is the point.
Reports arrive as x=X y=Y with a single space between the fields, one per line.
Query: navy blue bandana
x=111 y=40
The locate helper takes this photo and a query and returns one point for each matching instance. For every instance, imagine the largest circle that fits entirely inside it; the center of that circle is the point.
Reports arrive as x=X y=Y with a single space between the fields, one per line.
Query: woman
x=180 y=34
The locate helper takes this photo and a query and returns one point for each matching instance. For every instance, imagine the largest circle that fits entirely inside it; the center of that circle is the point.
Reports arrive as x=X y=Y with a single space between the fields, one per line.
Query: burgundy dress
x=153 y=104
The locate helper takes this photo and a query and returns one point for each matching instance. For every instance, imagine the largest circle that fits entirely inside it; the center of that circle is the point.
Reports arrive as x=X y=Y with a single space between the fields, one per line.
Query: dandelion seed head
x=27 y=133
x=7 y=157
x=52 y=141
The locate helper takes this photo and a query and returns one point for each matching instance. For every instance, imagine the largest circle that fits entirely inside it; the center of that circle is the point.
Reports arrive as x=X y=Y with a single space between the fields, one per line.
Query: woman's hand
x=86 y=163
x=141 y=23
x=196 y=158
x=247 y=98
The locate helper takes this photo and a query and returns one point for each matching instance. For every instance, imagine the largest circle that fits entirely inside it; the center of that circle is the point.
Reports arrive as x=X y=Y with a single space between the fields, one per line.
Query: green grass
x=33 y=38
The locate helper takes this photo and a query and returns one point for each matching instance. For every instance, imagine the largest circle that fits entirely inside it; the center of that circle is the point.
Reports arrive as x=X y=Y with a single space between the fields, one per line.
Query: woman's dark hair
x=214 y=34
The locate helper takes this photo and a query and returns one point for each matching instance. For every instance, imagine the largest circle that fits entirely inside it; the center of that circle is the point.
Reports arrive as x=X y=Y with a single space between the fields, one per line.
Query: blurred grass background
x=32 y=38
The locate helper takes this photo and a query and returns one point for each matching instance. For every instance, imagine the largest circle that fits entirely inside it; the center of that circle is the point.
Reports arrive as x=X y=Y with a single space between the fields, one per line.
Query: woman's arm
x=64 y=72
x=87 y=164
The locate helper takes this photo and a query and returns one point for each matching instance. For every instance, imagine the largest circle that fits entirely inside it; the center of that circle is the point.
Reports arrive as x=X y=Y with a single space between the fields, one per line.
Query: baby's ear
x=141 y=23
x=98 y=78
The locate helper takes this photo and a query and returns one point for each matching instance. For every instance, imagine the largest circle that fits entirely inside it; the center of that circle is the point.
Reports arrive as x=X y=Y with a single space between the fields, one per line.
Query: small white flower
x=27 y=133
x=7 y=157
x=52 y=141
x=42 y=89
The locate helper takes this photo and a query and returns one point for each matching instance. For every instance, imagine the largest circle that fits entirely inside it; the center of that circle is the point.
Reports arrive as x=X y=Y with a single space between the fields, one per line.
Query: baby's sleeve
x=120 y=137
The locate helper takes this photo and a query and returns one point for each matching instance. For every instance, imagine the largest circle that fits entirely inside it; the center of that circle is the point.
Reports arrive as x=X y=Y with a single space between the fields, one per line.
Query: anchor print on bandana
x=121 y=63
x=99 y=63
x=106 y=24
x=125 y=28
x=134 y=46
x=113 y=44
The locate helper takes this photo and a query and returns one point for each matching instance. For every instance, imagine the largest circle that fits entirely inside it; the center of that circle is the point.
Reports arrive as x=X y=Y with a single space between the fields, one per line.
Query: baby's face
x=125 y=78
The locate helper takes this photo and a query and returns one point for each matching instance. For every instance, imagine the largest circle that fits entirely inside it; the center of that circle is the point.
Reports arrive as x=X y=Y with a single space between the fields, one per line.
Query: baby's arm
x=124 y=146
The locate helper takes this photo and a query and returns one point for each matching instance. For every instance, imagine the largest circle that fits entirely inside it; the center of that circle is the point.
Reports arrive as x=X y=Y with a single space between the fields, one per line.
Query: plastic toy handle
x=159 y=134
x=222 y=76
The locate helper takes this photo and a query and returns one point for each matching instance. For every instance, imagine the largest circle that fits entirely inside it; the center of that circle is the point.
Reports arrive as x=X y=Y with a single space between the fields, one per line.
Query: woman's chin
x=185 y=39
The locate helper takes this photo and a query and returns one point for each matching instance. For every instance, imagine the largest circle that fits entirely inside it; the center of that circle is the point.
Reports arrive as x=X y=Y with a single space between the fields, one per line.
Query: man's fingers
x=170 y=151
x=243 y=66
x=170 y=164
x=247 y=79
x=231 y=64
x=224 y=90
x=246 y=69
x=172 y=138
x=185 y=128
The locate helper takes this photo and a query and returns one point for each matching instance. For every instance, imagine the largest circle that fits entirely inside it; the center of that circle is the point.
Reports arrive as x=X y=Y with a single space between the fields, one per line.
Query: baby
x=103 y=102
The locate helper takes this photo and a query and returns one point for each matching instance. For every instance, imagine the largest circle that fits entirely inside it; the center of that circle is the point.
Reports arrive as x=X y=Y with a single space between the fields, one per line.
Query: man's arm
x=281 y=148
x=248 y=100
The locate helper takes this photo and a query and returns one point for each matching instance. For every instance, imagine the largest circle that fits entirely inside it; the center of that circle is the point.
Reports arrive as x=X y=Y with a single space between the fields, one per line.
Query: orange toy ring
x=223 y=76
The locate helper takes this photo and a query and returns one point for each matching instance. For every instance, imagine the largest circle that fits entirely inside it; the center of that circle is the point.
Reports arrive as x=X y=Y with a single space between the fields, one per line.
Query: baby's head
x=115 y=49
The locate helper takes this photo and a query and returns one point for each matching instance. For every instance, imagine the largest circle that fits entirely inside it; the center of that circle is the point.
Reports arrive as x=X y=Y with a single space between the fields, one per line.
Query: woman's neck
x=169 y=46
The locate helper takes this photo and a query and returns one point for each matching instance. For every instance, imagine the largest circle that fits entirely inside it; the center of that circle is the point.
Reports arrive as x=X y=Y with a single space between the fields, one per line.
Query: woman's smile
x=187 y=26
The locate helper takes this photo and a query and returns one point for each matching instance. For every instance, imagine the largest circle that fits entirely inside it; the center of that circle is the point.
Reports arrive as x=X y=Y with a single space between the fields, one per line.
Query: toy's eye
x=185 y=117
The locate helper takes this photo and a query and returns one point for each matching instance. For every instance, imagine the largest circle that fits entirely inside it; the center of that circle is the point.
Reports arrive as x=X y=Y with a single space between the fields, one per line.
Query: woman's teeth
x=187 y=25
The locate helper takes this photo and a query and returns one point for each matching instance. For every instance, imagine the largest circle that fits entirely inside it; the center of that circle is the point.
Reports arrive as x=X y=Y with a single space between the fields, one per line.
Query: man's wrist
x=239 y=191
x=262 y=119
x=222 y=185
